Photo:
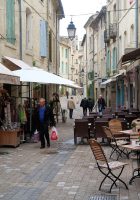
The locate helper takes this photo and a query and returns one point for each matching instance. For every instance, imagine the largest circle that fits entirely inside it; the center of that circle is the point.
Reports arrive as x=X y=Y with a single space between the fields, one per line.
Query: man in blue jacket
x=44 y=119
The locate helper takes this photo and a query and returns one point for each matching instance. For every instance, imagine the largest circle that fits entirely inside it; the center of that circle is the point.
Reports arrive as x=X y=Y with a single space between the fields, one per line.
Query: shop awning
x=129 y=60
x=113 y=78
x=106 y=82
x=15 y=64
x=7 y=76
x=32 y=74
x=121 y=72
x=43 y=77
x=131 y=56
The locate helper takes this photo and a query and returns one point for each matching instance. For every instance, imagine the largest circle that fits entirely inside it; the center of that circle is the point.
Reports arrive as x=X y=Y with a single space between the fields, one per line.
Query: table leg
x=135 y=176
x=136 y=170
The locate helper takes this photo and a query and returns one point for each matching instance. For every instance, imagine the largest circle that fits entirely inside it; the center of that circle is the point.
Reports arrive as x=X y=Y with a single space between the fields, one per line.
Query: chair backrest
x=81 y=128
x=101 y=119
x=97 y=151
x=93 y=113
x=107 y=111
x=91 y=120
x=107 y=132
x=121 y=114
x=98 y=128
x=108 y=116
x=115 y=125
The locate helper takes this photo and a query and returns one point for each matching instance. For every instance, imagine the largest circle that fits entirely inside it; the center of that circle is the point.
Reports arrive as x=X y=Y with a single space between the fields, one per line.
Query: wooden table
x=135 y=148
x=99 y=133
x=129 y=132
x=135 y=112
x=10 y=137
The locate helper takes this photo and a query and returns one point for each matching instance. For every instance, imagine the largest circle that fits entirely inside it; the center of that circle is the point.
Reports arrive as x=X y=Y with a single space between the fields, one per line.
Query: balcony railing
x=106 y=36
x=113 y=30
x=110 y=33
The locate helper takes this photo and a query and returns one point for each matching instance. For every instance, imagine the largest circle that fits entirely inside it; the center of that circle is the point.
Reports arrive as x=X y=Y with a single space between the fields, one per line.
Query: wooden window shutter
x=43 y=38
x=10 y=21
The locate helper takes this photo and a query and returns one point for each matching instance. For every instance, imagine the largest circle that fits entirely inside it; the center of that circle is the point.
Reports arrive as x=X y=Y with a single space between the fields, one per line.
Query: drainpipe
x=137 y=46
x=57 y=71
x=118 y=51
x=20 y=29
x=93 y=65
x=137 y=23
x=86 y=66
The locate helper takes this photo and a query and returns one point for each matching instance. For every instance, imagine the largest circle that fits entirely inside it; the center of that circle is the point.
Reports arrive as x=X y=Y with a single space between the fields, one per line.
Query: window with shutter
x=50 y=46
x=43 y=38
x=114 y=57
x=10 y=21
x=28 y=29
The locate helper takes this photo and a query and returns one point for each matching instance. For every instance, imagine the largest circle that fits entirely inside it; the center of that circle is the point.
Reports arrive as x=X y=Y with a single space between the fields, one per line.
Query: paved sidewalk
x=63 y=172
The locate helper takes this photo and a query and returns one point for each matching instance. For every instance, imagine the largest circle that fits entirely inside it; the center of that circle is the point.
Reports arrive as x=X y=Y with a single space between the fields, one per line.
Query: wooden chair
x=81 y=129
x=91 y=121
x=103 y=165
x=121 y=114
x=115 y=126
x=107 y=111
x=115 y=144
x=99 y=133
x=108 y=116
x=129 y=118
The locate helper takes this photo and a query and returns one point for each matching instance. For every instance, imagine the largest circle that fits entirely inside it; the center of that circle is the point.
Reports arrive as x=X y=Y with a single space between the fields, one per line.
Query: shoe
x=42 y=147
x=48 y=145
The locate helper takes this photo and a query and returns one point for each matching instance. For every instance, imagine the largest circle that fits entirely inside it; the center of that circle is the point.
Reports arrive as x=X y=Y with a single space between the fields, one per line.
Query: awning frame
x=21 y=66
x=7 y=76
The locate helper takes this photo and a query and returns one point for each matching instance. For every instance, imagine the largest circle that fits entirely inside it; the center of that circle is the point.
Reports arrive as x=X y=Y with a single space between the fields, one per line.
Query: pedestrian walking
x=71 y=107
x=67 y=94
x=44 y=118
x=101 y=104
x=84 y=105
x=90 y=105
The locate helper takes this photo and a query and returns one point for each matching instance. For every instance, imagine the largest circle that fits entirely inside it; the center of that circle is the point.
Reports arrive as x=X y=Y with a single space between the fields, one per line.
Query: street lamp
x=71 y=30
x=82 y=73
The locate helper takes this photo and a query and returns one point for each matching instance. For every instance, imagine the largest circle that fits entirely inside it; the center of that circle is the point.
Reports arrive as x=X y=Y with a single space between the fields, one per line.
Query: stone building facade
x=29 y=30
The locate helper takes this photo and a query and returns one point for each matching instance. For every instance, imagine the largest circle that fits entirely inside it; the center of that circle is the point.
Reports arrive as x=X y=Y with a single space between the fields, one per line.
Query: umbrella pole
x=30 y=102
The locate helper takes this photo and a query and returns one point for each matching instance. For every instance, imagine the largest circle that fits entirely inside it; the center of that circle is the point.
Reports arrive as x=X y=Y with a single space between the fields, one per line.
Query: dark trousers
x=90 y=110
x=84 y=111
x=44 y=133
x=70 y=113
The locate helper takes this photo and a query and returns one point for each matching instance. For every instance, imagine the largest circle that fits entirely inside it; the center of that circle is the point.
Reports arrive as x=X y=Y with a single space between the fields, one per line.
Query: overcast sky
x=79 y=7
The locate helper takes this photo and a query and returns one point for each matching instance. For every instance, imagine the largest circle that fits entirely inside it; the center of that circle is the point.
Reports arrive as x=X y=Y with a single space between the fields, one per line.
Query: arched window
x=28 y=29
x=114 y=13
x=132 y=35
x=108 y=62
x=108 y=59
x=114 y=58
x=125 y=39
x=120 y=46
x=62 y=67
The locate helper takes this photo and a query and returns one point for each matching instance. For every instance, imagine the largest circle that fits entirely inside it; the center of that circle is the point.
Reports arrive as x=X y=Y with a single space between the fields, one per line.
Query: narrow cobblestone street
x=61 y=172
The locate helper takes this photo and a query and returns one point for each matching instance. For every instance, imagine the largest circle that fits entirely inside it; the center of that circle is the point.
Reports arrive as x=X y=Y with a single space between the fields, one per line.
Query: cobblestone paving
x=62 y=172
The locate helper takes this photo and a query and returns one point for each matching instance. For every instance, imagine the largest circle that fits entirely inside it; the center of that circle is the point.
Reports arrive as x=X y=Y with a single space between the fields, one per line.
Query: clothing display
x=8 y=115
x=22 y=114
x=10 y=130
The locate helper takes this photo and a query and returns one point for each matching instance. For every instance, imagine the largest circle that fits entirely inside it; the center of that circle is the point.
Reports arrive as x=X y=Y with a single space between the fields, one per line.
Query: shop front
x=24 y=101
x=131 y=63
x=10 y=129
